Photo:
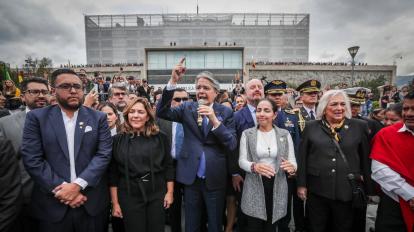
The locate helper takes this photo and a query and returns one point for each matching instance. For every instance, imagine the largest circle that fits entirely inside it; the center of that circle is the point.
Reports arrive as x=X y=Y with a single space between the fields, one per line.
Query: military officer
x=309 y=91
x=287 y=119
x=357 y=99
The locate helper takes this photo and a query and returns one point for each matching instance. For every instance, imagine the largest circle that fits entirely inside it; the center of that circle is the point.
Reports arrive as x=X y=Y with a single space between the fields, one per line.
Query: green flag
x=6 y=75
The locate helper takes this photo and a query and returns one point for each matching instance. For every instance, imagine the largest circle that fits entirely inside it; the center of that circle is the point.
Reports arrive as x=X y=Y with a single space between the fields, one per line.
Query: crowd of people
x=301 y=63
x=101 y=65
x=95 y=154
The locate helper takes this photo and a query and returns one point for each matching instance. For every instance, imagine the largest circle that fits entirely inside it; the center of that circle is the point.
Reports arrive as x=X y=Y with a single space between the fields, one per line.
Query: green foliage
x=38 y=66
x=373 y=85
x=375 y=105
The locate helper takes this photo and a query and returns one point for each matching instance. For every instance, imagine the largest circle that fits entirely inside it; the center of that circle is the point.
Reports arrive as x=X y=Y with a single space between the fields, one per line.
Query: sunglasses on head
x=179 y=99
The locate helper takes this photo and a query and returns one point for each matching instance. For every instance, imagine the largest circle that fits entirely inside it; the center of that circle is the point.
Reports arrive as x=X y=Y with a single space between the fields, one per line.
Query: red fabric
x=396 y=150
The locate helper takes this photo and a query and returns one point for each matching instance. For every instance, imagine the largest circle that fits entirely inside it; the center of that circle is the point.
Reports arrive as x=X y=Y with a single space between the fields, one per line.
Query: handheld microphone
x=200 y=118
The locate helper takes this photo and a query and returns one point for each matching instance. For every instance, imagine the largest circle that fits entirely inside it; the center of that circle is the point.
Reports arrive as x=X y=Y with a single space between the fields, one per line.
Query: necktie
x=201 y=172
x=311 y=115
x=254 y=117
x=204 y=125
x=179 y=138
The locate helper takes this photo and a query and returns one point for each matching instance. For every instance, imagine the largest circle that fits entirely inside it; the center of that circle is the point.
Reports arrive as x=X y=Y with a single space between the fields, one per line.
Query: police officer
x=287 y=119
x=357 y=99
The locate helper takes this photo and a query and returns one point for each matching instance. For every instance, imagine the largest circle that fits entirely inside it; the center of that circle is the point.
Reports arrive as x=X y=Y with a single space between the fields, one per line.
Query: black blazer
x=322 y=170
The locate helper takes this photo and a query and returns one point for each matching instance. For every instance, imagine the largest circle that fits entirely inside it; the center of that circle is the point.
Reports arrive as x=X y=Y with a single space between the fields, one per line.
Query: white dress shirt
x=70 y=126
x=174 y=128
x=390 y=181
x=308 y=110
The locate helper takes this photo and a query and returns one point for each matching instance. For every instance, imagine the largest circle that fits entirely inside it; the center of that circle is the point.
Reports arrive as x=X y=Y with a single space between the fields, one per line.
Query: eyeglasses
x=37 y=92
x=179 y=99
x=68 y=87
x=119 y=94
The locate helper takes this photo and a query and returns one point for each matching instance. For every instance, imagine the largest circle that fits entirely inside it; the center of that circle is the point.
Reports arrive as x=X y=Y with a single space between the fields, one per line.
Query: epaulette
x=291 y=111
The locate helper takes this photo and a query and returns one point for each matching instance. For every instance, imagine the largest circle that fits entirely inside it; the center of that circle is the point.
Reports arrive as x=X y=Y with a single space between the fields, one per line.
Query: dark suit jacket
x=166 y=127
x=10 y=190
x=11 y=127
x=216 y=145
x=46 y=158
x=321 y=168
x=4 y=112
x=243 y=120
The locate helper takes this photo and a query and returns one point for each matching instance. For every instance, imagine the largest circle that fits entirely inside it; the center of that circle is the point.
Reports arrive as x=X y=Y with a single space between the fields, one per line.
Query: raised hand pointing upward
x=178 y=72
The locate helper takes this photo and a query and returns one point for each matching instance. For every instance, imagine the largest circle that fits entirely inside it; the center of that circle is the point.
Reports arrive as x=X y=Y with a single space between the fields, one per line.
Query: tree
x=38 y=66
x=373 y=85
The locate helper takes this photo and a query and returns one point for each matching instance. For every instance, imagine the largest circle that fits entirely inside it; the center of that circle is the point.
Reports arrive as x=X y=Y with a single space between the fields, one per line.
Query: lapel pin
x=346 y=126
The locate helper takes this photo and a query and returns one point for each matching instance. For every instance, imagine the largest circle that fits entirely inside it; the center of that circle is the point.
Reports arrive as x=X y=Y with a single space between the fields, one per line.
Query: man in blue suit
x=66 y=149
x=244 y=119
x=209 y=137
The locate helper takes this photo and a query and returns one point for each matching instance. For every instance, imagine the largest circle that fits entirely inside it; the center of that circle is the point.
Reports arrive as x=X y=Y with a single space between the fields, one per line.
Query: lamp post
x=353 y=51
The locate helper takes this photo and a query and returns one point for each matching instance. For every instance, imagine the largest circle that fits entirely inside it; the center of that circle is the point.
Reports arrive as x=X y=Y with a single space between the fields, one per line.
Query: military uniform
x=357 y=97
x=288 y=119
x=309 y=86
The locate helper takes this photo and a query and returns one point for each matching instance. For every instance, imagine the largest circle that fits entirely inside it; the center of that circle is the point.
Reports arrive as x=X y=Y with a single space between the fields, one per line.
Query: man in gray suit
x=35 y=94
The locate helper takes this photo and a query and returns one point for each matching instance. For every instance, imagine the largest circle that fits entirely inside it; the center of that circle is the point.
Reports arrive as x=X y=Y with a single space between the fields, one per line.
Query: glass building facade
x=112 y=39
x=224 y=63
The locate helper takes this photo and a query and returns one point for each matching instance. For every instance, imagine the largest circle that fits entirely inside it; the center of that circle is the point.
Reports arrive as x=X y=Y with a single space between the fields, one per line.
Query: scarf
x=334 y=130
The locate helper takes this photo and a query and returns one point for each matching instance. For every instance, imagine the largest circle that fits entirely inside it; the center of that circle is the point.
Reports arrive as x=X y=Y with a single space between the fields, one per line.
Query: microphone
x=200 y=118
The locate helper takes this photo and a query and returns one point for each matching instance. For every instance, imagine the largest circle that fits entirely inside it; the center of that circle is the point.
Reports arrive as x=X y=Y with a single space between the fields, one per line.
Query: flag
x=6 y=75
x=19 y=75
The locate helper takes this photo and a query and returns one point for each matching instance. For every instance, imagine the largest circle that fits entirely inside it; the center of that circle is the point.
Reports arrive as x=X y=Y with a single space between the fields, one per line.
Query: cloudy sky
x=383 y=29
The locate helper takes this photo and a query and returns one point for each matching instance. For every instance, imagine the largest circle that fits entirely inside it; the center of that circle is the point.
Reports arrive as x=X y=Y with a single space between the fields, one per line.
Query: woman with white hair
x=332 y=161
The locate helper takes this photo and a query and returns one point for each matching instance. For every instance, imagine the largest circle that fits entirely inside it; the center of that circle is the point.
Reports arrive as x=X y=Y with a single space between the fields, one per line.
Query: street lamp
x=353 y=51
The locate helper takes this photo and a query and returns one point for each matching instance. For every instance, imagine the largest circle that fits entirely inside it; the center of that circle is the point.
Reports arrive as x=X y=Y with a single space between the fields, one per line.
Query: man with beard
x=118 y=95
x=35 y=94
x=244 y=119
x=66 y=149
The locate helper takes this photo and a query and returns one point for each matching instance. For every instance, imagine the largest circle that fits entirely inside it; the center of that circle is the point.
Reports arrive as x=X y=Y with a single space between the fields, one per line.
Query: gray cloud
x=55 y=29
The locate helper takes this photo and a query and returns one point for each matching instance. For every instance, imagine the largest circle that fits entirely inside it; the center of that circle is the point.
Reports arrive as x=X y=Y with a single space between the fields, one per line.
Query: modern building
x=112 y=39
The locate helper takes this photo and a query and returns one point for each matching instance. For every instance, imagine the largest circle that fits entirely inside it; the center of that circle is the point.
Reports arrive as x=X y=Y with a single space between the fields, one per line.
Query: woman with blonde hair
x=141 y=170
x=10 y=90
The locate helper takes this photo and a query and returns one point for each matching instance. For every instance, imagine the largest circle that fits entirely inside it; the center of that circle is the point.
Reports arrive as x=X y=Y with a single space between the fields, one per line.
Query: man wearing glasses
x=118 y=95
x=35 y=94
x=175 y=133
x=66 y=149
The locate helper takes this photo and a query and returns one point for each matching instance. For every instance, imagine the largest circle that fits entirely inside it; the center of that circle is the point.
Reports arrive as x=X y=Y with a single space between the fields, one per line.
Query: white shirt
x=253 y=113
x=70 y=126
x=308 y=110
x=113 y=131
x=265 y=140
x=174 y=128
x=390 y=181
